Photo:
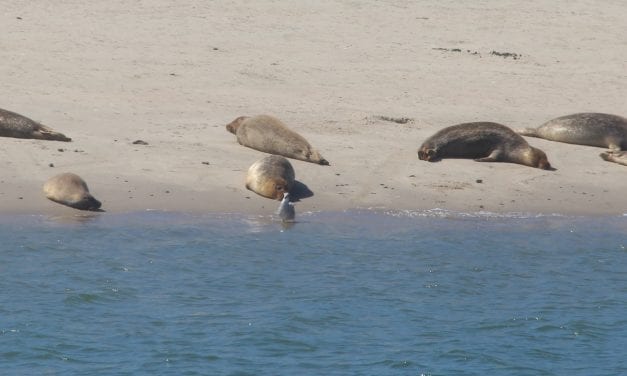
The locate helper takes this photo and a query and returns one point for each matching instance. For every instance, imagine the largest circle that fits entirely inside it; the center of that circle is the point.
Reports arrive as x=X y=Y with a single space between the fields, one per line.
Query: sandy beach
x=173 y=74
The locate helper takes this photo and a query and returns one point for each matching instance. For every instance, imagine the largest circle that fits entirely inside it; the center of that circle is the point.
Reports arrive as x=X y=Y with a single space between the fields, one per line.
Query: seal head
x=271 y=177
x=71 y=190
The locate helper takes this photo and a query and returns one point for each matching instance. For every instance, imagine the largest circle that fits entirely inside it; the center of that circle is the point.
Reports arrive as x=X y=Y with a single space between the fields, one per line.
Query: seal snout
x=426 y=154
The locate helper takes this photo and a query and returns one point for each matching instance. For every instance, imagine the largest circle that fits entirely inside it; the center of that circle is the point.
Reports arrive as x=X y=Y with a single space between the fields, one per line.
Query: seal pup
x=592 y=129
x=18 y=126
x=268 y=134
x=271 y=177
x=70 y=190
x=286 y=209
x=619 y=157
x=484 y=142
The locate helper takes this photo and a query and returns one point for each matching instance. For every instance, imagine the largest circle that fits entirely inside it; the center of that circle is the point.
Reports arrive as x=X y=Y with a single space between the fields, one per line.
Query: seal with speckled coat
x=269 y=134
x=593 y=129
x=484 y=142
x=619 y=157
x=271 y=177
x=18 y=126
x=70 y=190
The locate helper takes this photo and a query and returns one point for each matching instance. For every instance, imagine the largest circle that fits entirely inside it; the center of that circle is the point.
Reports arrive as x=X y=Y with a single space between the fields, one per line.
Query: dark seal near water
x=18 y=126
x=269 y=134
x=71 y=190
x=592 y=129
x=483 y=142
x=271 y=177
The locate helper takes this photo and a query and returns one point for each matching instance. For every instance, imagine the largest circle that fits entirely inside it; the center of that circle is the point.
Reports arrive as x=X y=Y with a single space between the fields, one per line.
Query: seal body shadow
x=270 y=135
x=271 y=177
x=619 y=157
x=590 y=128
x=18 y=126
x=483 y=142
x=71 y=190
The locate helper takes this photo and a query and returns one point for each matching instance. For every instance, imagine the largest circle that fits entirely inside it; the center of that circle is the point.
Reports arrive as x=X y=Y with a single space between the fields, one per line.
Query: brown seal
x=69 y=189
x=484 y=142
x=593 y=129
x=269 y=134
x=271 y=177
x=619 y=157
x=18 y=126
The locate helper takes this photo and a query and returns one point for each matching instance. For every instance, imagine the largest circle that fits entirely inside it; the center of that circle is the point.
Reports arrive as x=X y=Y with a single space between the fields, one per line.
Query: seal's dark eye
x=279 y=187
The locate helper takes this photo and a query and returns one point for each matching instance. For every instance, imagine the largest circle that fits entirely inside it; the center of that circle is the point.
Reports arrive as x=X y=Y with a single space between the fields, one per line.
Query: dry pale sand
x=173 y=73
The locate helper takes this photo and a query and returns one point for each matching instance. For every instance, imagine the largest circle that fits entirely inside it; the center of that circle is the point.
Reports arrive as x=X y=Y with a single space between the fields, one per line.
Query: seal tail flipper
x=606 y=156
x=531 y=132
x=48 y=134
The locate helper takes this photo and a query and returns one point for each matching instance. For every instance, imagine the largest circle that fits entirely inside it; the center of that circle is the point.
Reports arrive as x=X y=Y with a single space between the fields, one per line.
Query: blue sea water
x=350 y=293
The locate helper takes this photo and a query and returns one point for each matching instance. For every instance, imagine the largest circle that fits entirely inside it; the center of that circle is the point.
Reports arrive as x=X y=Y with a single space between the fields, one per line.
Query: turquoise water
x=355 y=293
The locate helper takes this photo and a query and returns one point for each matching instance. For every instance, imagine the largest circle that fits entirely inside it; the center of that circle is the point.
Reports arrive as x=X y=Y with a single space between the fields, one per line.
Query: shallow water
x=355 y=293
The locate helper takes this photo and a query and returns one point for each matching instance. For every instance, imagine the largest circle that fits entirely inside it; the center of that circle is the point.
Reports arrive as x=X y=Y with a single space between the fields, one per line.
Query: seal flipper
x=495 y=156
x=48 y=134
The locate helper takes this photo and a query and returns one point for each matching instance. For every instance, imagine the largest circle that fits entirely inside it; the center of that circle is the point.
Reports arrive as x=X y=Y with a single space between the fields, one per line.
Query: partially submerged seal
x=269 y=134
x=271 y=177
x=70 y=190
x=286 y=210
x=593 y=129
x=484 y=142
x=18 y=126
x=619 y=157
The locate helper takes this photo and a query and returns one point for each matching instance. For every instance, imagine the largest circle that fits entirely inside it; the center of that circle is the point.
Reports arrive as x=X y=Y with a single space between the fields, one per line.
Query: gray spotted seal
x=271 y=177
x=593 y=129
x=286 y=210
x=18 y=126
x=70 y=190
x=269 y=134
x=484 y=142
x=619 y=157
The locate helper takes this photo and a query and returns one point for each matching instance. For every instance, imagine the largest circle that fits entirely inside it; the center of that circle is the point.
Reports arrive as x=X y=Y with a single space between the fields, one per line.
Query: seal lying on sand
x=271 y=177
x=483 y=141
x=69 y=189
x=18 y=126
x=619 y=157
x=593 y=129
x=268 y=134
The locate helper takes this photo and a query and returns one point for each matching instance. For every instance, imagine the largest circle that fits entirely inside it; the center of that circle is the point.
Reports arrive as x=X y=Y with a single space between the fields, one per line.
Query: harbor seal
x=593 y=129
x=271 y=177
x=286 y=210
x=70 y=190
x=619 y=157
x=484 y=142
x=269 y=134
x=18 y=126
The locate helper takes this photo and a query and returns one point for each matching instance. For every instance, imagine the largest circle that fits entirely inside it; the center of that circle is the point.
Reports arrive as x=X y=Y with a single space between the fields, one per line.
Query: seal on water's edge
x=18 y=126
x=71 y=190
x=589 y=128
x=619 y=157
x=270 y=135
x=286 y=210
x=484 y=142
x=270 y=177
